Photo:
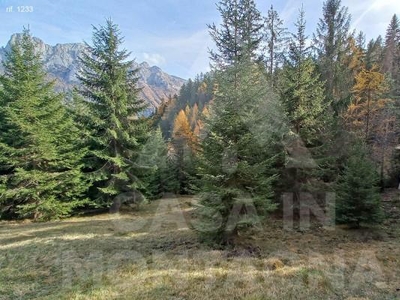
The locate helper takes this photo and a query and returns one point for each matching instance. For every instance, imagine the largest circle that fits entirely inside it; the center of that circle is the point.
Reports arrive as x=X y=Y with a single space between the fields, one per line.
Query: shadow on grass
x=153 y=254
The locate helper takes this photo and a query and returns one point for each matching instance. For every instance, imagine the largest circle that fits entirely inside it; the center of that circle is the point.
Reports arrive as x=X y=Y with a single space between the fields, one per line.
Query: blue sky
x=169 y=33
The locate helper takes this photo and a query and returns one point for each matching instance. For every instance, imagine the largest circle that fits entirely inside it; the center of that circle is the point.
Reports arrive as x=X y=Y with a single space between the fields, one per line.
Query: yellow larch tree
x=184 y=144
x=368 y=101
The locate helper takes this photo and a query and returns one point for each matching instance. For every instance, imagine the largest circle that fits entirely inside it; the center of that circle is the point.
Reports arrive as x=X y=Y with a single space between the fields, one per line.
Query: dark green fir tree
x=237 y=157
x=240 y=33
x=40 y=167
x=331 y=44
x=302 y=91
x=160 y=179
x=276 y=38
x=111 y=113
x=357 y=189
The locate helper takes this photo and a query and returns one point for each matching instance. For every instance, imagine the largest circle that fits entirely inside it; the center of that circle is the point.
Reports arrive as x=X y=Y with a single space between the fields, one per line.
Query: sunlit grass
x=153 y=254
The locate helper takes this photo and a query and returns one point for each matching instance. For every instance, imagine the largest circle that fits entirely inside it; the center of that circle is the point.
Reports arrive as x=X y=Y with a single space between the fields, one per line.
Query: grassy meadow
x=154 y=254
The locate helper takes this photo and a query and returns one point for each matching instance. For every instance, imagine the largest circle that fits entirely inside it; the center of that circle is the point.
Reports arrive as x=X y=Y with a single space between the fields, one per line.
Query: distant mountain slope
x=61 y=63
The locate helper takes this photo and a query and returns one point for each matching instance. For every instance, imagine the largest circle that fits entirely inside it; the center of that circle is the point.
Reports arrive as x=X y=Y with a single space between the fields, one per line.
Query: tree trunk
x=368 y=115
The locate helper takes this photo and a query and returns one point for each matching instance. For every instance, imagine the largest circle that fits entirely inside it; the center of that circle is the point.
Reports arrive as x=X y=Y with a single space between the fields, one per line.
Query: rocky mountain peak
x=62 y=64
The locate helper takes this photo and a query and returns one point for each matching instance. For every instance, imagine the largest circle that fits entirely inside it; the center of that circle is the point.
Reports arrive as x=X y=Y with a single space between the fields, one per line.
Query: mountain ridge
x=61 y=63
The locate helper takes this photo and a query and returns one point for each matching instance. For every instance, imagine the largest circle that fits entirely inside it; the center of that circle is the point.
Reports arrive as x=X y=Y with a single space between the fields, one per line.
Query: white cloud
x=190 y=51
x=154 y=59
x=184 y=54
x=290 y=11
x=372 y=16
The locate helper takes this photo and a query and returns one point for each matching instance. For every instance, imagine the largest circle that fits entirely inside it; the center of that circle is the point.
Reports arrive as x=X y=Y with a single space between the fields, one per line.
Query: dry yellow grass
x=153 y=254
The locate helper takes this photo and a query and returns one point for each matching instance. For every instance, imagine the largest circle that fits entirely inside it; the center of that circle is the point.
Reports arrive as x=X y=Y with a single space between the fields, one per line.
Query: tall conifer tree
x=330 y=42
x=391 y=55
x=302 y=91
x=391 y=49
x=243 y=133
x=240 y=33
x=40 y=163
x=276 y=39
x=236 y=165
x=112 y=113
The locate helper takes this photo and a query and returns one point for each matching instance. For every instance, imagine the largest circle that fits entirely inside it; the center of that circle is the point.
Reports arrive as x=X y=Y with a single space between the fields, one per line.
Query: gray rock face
x=62 y=64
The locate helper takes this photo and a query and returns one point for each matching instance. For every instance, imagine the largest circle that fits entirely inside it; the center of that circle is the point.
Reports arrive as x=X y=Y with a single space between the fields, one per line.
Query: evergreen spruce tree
x=111 y=113
x=237 y=156
x=391 y=49
x=243 y=132
x=302 y=91
x=373 y=55
x=358 y=199
x=330 y=42
x=276 y=39
x=303 y=96
x=161 y=177
x=391 y=56
x=240 y=33
x=360 y=41
x=40 y=163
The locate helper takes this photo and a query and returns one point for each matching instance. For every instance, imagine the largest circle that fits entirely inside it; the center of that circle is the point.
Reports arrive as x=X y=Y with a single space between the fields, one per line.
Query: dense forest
x=280 y=112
